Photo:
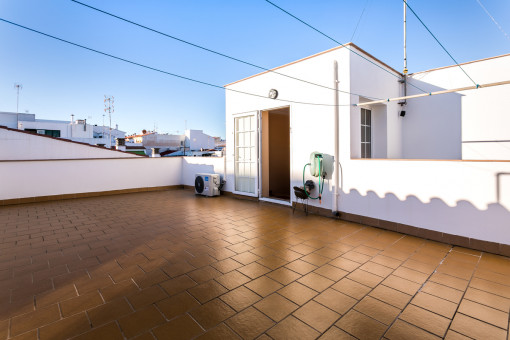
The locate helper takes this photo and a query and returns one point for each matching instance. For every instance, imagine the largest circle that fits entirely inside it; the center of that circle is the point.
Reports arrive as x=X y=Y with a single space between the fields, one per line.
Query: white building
x=103 y=134
x=197 y=140
x=190 y=141
x=22 y=145
x=76 y=130
x=419 y=170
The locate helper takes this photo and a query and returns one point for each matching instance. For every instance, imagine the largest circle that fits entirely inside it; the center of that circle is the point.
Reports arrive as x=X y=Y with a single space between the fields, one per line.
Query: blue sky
x=60 y=80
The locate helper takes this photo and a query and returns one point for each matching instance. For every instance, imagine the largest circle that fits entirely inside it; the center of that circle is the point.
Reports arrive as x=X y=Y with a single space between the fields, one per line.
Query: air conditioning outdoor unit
x=207 y=184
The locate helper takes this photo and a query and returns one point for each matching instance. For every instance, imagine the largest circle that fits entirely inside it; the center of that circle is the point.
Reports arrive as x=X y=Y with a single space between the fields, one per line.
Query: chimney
x=120 y=144
x=155 y=152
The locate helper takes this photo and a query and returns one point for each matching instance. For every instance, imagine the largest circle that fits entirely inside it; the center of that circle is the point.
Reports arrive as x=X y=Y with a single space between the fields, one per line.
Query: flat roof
x=467 y=62
x=368 y=55
x=316 y=55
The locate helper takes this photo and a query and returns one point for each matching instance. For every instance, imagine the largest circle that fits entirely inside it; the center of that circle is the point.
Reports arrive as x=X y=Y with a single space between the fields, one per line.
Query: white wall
x=485 y=112
x=163 y=140
x=311 y=125
x=67 y=130
x=22 y=146
x=57 y=177
x=486 y=150
x=9 y=119
x=21 y=179
x=431 y=128
x=197 y=140
x=454 y=197
x=198 y=165
x=370 y=82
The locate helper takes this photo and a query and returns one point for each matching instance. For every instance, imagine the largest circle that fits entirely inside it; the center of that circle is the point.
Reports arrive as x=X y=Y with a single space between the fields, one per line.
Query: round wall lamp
x=273 y=94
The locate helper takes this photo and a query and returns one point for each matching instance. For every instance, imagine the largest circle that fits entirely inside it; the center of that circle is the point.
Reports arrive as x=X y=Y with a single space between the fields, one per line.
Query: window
x=51 y=133
x=366 y=133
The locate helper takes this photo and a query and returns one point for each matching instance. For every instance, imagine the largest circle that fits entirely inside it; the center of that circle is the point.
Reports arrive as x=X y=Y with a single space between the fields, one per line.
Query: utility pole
x=403 y=81
x=102 y=135
x=405 y=39
x=18 y=87
x=108 y=107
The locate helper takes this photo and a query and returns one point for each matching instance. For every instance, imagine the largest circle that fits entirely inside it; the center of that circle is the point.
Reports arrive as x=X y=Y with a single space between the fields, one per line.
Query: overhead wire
x=210 y=50
x=339 y=43
x=359 y=20
x=493 y=20
x=437 y=40
x=162 y=71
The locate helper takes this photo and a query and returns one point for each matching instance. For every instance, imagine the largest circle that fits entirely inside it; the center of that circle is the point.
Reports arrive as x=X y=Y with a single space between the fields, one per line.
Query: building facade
x=437 y=163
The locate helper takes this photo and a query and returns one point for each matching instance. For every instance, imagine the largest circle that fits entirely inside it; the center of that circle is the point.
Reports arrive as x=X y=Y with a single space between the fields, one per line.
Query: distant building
x=23 y=145
x=219 y=143
x=197 y=140
x=192 y=142
x=103 y=133
x=76 y=130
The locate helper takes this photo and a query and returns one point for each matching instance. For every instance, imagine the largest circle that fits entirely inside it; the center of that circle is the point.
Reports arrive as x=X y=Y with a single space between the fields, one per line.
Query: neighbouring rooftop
x=172 y=265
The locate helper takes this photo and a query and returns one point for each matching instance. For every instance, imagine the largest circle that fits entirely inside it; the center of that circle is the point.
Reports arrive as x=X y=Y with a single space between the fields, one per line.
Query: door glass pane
x=245 y=153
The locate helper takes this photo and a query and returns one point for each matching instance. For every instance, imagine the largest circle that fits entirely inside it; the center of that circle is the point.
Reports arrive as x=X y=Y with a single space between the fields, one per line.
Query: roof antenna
x=405 y=38
x=404 y=78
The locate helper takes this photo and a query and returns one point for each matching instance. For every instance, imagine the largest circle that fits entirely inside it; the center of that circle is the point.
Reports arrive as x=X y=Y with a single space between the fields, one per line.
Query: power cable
x=209 y=50
x=359 y=20
x=432 y=34
x=162 y=71
x=339 y=43
x=493 y=20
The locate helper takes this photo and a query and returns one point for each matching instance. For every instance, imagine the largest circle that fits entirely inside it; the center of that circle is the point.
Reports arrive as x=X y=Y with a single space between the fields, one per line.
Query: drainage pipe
x=334 y=208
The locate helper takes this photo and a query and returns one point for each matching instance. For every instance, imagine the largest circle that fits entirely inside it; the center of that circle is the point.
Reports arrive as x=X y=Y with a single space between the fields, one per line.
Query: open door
x=275 y=154
x=246 y=154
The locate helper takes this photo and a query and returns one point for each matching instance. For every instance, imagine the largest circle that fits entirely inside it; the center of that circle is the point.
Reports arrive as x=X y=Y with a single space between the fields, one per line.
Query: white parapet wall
x=200 y=165
x=22 y=179
x=466 y=198
x=33 y=178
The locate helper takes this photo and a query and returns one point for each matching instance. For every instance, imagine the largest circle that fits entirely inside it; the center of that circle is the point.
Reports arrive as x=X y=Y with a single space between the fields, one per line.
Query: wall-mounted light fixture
x=273 y=94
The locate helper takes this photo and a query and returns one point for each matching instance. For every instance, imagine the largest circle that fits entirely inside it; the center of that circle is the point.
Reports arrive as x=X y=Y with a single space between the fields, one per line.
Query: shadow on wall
x=463 y=219
x=498 y=184
x=432 y=126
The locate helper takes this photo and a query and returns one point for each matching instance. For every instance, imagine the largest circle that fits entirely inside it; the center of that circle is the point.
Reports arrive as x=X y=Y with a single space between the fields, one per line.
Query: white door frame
x=272 y=200
x=257 y=153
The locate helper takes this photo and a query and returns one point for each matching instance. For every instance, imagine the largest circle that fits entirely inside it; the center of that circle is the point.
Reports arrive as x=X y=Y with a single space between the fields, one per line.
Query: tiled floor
x=169 y=265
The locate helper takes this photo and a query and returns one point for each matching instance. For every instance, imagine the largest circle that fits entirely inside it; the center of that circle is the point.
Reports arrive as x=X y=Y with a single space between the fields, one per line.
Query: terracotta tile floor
x=169 y=265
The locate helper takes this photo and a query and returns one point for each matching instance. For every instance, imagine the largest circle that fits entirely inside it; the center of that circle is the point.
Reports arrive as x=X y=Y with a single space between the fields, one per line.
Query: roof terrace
x=170 y=265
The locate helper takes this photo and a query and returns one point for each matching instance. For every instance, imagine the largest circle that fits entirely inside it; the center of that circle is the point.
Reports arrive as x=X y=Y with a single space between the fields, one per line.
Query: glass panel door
x=246 y=154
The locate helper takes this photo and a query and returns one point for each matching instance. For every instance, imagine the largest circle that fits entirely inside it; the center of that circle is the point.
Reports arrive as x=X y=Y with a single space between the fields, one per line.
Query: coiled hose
x=321 y=187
